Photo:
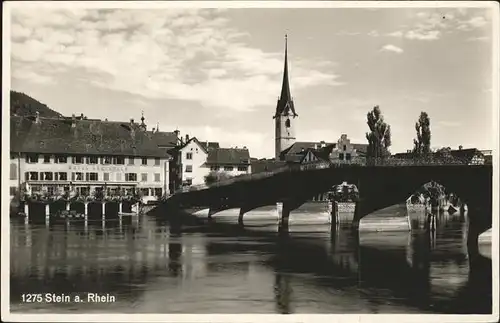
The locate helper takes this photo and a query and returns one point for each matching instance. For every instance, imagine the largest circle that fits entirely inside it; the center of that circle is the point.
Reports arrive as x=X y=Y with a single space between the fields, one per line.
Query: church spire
x=285 y=102
x=285 y=87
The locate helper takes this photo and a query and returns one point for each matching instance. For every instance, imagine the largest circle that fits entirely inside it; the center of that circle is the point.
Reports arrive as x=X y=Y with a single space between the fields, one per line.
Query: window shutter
x=27 y=176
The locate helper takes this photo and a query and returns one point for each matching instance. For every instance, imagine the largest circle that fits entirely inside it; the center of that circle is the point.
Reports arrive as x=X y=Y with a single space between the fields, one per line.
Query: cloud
x=347 y=33
x=373 y=33
x=392 y=48
x=472 y=23
x=171 y=54
x=432 y=24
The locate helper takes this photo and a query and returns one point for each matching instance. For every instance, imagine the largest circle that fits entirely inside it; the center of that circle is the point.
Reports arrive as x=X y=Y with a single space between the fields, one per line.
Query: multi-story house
x=193 y=160
x=54 y=155
x=233 y=161
x=343 y=150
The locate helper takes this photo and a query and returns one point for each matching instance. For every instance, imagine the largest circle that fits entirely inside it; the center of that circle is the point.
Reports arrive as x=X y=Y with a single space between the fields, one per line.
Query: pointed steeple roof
x=285 y=102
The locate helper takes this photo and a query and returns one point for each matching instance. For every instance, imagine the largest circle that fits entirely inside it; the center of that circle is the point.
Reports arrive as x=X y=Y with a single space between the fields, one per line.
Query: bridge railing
x=383 y=162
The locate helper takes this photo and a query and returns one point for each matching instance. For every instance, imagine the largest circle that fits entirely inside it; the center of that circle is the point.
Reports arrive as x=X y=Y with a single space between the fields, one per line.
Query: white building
x=54 y=155
x=196 y=159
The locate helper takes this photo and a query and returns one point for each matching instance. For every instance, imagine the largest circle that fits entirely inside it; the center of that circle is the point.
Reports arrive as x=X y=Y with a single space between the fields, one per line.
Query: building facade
x=86 y=156
x=285 y=114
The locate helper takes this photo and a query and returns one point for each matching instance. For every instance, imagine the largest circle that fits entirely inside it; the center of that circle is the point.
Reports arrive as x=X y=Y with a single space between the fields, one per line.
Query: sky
x=216 y=73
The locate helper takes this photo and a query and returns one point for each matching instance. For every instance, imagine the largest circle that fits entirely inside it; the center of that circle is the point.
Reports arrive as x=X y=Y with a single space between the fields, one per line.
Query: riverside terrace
x=380 y=184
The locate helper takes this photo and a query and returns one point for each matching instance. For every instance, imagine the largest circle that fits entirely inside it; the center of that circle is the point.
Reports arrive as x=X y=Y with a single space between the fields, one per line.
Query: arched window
x=287 y=123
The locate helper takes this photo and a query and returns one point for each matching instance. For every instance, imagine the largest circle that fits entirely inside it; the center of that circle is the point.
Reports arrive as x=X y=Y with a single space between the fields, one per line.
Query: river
x=151 y=267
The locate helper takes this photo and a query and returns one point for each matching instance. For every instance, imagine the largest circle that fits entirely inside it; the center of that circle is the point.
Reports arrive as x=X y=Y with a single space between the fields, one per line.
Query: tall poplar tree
x=422 y=144
x=379 y=137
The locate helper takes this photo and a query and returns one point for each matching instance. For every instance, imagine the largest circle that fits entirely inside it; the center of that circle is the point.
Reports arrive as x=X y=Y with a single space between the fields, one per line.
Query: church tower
x=285 y=113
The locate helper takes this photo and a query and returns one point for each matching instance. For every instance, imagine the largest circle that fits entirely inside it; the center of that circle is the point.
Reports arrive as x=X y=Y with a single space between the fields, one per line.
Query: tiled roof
x=360 y=148
x=90 y=137
x=259 y=166
x=226 y=156
x=164 y=139
x=301 y=146
x=465 y=153
x=209 y=145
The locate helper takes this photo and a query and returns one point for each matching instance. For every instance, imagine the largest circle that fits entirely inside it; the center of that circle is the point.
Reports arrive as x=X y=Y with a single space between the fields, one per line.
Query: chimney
x=187 y=137
x=153 y=131
x=73 y=121
x=37 y=117
x=81 y=116
x=131 y=121
x=315 y=146
x=460 y=147
x=206 y=142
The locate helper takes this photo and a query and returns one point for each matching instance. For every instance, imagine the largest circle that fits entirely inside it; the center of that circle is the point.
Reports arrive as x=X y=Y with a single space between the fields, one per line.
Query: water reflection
x=154 y=267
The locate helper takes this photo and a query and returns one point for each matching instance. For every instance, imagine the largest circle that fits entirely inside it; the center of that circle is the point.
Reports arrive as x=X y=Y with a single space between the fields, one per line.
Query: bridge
x=380 y=185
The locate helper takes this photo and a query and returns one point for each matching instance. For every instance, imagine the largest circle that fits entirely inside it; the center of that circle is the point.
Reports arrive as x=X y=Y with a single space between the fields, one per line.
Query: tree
x=215 y=176
x=379 y=137
x=422 y=144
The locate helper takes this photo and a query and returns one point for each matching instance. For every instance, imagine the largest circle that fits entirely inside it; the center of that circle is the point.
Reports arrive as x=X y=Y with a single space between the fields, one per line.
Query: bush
x=215 y=176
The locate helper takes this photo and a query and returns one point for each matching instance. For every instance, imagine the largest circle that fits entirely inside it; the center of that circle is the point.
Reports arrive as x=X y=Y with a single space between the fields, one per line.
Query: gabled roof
x=194 y=139
x=226 y=156
x=90 y=137
x=164 y=139
x=210 y=144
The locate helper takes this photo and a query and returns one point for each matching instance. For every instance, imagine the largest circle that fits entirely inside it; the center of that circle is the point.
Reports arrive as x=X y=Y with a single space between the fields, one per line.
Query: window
x=242 y=168
x=106 y=160
x=77 y=160
x=347 y=156
x=50 y=190
x=130 y=177
x=144 y=177
x=144 y=161
x=189 y=168
x=118 y=177
x=78 y=176
x=48 y=176
x=46 y=159
x=106 y=177
x=131 y=160
x=33 y=176
x=228 y=168
x=32 y=158
x=119 y=161
x=92 y=160
x=341 y=156
x=13 y=156
x=13 y=190
x=158 y=191
x=13 y=171
x=189 y=155
x=188 y=181
x=59 y=159
x=91 y=177
x=145 y=191
x=214 y=167
x=345 y=147
x=157 y=161
x=61 y=176
x=157 y=177
x=287 y=123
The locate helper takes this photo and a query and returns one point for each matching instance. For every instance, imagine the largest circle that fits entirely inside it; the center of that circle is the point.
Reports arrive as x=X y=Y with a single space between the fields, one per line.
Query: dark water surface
x=219 y=268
